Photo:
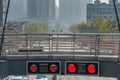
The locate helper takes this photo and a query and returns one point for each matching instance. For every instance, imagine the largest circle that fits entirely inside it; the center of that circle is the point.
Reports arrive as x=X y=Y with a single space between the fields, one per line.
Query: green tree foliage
x=76 y=28
x=99 y=26
x=36 y=28
x=105 y=26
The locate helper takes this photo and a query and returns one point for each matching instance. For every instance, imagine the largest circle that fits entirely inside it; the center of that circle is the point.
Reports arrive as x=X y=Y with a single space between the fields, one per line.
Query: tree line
x=98 y=26
x=36 y=28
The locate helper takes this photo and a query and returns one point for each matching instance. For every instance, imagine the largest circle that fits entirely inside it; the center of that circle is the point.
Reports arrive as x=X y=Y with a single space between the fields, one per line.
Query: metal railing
x=81 y=44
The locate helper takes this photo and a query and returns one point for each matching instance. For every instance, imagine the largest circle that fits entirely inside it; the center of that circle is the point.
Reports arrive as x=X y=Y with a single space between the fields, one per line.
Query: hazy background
x=18 y=9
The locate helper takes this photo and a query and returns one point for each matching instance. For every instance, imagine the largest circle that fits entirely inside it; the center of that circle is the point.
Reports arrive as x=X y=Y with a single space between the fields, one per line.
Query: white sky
x=57 y=2
x=104 y=1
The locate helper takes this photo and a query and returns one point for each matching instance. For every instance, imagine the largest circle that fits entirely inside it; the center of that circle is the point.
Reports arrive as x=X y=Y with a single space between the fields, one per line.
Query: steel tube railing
x=83 y=44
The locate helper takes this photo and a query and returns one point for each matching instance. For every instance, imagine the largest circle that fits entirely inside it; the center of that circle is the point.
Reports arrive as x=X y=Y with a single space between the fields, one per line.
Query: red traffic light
x=33 y=68
x=53 y=68
x=82 y=67
x=91 y=69
x=71 y=68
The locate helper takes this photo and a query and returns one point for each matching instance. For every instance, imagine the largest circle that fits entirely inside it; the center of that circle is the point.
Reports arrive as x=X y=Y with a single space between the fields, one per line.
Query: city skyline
x=58 y=14
x=104 y=11
x=20 y=6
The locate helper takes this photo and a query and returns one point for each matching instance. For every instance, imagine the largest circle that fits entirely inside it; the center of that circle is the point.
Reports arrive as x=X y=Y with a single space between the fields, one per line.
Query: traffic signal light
x=43 y=67
x=83 y=68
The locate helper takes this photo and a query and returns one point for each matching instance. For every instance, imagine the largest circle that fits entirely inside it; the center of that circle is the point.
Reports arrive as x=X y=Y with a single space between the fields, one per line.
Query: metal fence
x=87 y=44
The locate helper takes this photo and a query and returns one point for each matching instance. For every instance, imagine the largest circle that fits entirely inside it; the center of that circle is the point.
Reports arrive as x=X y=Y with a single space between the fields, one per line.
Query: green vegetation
x=76 y=28
x=98 y=26
x=36 y=28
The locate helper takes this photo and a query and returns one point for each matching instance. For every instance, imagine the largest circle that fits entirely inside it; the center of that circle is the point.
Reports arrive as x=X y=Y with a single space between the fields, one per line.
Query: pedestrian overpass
x=23 y=53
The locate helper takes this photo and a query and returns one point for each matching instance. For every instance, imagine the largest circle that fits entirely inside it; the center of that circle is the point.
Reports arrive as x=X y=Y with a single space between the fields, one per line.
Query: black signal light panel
x=82 y=67
x=43 y=67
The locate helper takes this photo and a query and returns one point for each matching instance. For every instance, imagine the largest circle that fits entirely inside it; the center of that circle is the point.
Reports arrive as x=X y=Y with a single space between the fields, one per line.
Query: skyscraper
x=2 y=11
x=72 y=11
x=102 y=10
x=41 y=10
x=111 y=1
x=16 y=10
x=52 y=9
x=31 y=8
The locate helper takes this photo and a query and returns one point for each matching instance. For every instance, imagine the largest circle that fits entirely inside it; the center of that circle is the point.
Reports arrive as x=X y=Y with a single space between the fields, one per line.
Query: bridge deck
x=62 y=46
x=61 y=56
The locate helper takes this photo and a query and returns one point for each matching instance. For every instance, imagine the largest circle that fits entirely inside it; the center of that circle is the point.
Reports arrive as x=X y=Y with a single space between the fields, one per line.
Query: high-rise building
x=72 y=11
x=52 y=9
x=16 y=10
x=102 y=10
x=31 y=8
x=2 y=11
x=41 y=10
x=111 y=1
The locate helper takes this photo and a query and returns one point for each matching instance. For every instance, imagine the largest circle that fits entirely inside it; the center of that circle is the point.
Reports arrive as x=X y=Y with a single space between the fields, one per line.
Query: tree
x=105 y=26
x=98 y=26
x=76 y=28
x=36 y=28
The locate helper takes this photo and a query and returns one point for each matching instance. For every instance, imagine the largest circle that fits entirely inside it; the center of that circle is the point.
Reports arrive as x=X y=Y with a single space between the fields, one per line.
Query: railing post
x=57 y=43
x=26 y=43
x=97 y=46
x=74 y=43
x=119 y=52
x=50 y=43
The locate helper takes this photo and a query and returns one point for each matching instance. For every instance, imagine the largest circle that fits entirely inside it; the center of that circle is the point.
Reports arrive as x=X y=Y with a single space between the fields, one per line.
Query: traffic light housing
x=82 y=68
x=43 y=67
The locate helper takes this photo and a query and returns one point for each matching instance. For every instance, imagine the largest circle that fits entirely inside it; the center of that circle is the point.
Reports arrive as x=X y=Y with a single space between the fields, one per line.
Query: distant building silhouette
x=16 y=10
x=2 y=11
x=111 y=1
x=41 y=10
x=31 y=8
x=72 y=11
x=102 y=10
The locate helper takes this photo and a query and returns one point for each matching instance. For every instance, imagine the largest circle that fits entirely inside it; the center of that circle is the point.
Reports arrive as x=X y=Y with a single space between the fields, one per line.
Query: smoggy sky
x=57 y=2
x=104 y=0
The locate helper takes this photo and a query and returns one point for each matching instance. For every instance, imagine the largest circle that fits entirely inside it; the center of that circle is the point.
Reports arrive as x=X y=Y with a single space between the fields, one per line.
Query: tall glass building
x=41 y=10
x=72 y=11
x=2 y=11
